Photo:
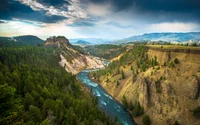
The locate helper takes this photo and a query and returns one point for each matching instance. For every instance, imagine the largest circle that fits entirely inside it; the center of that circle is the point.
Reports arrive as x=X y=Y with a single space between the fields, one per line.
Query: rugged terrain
x=168 y=91
x=71 y=59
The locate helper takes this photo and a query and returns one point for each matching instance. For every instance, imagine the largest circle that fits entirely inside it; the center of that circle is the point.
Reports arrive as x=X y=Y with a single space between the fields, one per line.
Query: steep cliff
x=167 y=91
x=71 y=59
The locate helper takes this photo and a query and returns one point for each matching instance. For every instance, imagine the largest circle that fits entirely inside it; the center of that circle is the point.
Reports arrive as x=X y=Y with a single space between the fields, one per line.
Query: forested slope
x=35 y=89
x=26 y=40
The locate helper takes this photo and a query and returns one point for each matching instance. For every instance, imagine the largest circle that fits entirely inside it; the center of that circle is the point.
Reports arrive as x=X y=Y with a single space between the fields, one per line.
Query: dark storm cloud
x=168 y=5
x=154 y=5
x=177 y=10
x=55 y=3
x=14 y=9
x=117 y=4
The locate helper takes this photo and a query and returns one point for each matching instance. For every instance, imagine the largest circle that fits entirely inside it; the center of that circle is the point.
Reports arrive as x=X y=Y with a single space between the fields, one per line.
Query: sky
x=107 y=19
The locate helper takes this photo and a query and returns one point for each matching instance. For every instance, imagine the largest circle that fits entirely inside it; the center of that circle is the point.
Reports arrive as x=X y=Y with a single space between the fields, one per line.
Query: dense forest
x=35 y=89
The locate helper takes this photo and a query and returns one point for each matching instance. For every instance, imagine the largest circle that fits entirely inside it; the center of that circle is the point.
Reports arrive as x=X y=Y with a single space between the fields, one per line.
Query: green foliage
x=171 y=65
x=7 y=99
x=34 y=114
x=131 y=67
x=146 y=120
x=48 y=94
x=194 y=44
x=9 y=106
x=196 y=112
x=124 y=101
x=143 y=67
x=127 y=58
x=79 y=49
x=123 y=75
x=176 y=61
x=118 y=83
x=165 y=64
x=176 y=123
x=138 y=110
x=106 y=51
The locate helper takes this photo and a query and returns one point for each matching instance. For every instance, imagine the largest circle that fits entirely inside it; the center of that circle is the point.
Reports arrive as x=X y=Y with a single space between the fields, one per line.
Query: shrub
x=146 y=120
x=176 y=61
x=165 y=63
x=123 y=75
x=171 y=65
x=196 y=112
x=118 y=83
x=138 y=109
x=176 y=123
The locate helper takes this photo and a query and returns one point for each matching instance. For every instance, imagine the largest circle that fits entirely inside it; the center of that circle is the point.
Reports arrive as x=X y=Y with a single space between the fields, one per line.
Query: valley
x=100 y=62
x=160 y=83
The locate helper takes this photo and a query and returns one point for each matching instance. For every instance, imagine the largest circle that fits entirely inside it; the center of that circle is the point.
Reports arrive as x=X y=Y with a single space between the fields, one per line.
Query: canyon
x=167 y=94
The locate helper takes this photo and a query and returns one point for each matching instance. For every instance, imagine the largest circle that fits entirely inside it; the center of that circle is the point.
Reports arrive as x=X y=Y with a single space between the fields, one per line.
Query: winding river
x=105 y=101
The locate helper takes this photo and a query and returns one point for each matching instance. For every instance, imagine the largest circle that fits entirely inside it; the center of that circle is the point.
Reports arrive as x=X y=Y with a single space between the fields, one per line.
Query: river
x=105 y=102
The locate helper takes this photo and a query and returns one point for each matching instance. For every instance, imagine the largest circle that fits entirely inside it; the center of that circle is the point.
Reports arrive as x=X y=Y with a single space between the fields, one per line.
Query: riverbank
x=106 y=102
x=136 y=120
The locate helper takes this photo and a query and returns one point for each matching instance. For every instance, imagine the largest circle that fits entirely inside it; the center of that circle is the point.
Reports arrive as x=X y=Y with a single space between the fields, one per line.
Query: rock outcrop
x=71 y=59
x=80 y=63
x=57 y=41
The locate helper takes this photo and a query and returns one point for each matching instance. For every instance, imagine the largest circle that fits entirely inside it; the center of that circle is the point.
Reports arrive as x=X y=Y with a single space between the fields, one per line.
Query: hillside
x=106 y=51
x=168 y=37
x=162 y=82
x=71 y=58
x=36 y=90
x=21 y=41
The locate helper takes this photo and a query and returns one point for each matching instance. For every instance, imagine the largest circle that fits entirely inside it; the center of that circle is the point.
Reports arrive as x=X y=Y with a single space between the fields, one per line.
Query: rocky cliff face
x=80 y=63
x=71 y=59
x=167 y=94
x=57 y=41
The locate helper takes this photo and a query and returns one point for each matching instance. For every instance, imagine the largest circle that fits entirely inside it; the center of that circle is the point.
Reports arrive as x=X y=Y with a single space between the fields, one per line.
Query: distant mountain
x=82 y=42
x=168 y=37
x=90 y=40
x=21 y=40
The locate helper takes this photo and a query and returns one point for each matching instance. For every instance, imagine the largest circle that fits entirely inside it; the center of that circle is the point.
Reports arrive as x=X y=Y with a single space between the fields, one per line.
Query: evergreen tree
x=146 y=120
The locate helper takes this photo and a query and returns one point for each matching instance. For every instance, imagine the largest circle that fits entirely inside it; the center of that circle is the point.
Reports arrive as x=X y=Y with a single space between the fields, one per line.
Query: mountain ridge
x=165 y=36
x=21 y=40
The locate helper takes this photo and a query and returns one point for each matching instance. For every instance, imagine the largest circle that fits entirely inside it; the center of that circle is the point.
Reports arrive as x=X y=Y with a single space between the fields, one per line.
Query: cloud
x=55 y=3
x=174 y=27
x=118 y=25
x=157 y=10
x=79 y=23
x=70 y=10
x=98 y=18
x=15 y=10
x=3 y=22
x=99 y=9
